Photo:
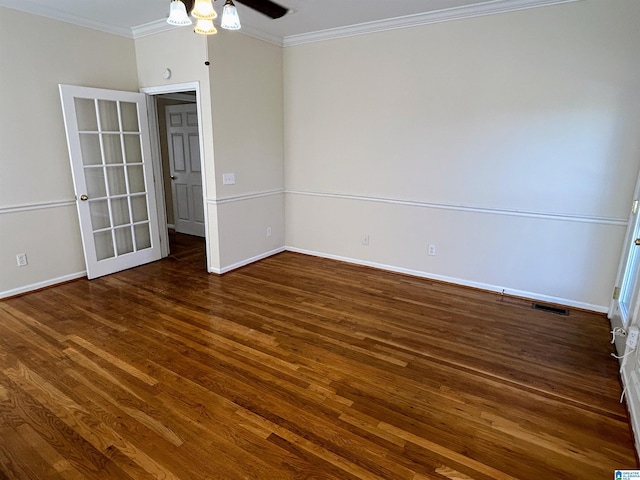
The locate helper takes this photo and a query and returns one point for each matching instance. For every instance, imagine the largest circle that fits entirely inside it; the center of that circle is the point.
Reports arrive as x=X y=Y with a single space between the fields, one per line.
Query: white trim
x=171 y=226
x=38 y=206
x=151 y=28
x=160 y=26
x=39 y=285
x=632 y=400
x=260 y=35
x=566 y=217
x=247 y=261
x=490 y=7
x=240 y=198
x=158 y=177
x=48 y=12
x=456 y=281
x=182 y=97
x=457 y=13
x=187 y=87
x=615 y=308
x=174 y=88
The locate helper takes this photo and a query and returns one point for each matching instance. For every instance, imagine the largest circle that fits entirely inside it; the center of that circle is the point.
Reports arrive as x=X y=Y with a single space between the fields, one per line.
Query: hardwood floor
x=298 y=367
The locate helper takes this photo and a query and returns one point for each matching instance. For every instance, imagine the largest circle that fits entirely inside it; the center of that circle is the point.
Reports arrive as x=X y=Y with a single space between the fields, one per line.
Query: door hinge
x=634 y=207
x=616 y=293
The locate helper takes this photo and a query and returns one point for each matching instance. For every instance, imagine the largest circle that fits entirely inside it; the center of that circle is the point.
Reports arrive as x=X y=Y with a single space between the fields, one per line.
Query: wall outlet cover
x=21 y=258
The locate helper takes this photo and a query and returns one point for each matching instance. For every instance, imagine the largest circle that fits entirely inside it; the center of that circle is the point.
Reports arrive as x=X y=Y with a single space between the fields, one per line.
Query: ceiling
x=134 y=18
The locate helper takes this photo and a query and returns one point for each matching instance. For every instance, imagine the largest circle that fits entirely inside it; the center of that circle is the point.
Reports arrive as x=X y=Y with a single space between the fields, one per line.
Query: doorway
x=181 y=163
x=159 y=99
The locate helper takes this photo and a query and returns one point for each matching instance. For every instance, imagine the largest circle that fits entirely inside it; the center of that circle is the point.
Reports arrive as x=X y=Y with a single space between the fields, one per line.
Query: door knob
x=84 y=197
x=172 y=177
x=637 y=241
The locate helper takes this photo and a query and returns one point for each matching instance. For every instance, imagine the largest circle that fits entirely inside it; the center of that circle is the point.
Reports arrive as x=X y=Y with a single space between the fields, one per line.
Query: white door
x=109 y=149
x=186 y=169
x=625 y=295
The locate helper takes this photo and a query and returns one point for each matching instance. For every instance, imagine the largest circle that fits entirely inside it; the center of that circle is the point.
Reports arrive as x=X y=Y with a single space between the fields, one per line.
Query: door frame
x=152 y=108
x=614 y=314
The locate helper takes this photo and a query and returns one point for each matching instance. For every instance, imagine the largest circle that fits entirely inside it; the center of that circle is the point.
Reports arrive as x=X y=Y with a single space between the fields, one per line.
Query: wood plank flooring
x=297 y=367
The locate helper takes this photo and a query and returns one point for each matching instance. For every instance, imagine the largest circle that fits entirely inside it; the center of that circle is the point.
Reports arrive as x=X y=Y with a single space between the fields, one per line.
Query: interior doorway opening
x=179 y=136
x=160 y=101
x=178 y=132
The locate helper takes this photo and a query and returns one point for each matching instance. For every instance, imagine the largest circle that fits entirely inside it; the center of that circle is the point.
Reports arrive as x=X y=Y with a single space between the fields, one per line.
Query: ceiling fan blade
x=188 y=4
x=266 y=7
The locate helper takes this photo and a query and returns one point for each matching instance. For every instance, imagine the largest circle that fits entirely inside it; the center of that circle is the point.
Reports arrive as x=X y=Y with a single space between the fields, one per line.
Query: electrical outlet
x=432 y=250
x=228 y=178
x=632 y=337
x=21 y=258
x=365 y=239
x=268 y=231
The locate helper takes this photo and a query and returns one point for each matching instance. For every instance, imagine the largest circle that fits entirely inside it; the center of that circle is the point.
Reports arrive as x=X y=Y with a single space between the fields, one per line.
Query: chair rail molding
x=37 y=206
x=566 y=217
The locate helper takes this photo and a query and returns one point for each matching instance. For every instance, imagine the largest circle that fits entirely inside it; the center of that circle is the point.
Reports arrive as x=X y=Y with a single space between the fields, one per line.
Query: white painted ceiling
x=125 y=17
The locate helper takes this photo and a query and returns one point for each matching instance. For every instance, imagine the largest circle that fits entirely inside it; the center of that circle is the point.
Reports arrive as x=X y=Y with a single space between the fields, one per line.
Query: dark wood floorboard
x=298 y=367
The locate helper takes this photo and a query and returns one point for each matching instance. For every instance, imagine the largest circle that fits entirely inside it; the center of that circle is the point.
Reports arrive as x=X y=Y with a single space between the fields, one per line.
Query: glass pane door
x=113 y=167
x=628 y=289
x=108 y=138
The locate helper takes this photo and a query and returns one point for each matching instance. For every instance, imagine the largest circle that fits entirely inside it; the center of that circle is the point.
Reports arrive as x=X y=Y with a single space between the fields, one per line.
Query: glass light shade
x=178 y=14
x=230 y=19
x=205 y=27
x=203 y=9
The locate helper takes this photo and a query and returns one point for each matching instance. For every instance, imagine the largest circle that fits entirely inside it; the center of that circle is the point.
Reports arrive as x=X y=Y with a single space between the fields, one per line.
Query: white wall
x=247 y=106
x=242 y=128
x=508 y=141
x=37 y=206
x=511 y=142
x=184 y=53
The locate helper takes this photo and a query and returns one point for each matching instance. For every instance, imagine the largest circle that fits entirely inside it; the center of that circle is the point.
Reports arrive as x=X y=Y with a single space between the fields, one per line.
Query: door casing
x=157 y=161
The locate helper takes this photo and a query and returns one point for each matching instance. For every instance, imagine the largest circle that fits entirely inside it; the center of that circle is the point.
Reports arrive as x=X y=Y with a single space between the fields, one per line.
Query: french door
x=109 y=149
x=626 y=291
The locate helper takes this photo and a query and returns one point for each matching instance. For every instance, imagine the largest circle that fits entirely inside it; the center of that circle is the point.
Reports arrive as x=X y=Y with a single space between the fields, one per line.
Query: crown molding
x=489 y=8
x=152 y=28
x=260 y=35
x=48 y=12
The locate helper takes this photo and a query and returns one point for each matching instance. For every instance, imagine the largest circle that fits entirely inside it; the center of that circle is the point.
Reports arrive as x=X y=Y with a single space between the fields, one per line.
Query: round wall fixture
x=166 y=74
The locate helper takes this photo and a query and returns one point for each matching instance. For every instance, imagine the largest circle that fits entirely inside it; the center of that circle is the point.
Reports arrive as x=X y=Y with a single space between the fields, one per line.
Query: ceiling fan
x=204 y=13
x=266 y=7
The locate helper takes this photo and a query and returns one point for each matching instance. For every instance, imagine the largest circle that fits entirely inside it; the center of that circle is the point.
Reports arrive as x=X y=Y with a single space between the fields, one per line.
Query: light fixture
x=203 y=9
x=205 y=27
x=230 y=19
x=178 y=14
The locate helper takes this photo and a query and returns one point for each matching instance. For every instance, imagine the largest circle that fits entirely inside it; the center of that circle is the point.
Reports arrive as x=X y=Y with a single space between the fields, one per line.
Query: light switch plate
x=228 y=178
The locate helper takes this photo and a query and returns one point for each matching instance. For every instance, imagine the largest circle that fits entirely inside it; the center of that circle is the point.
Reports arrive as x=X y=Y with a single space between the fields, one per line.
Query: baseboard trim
x=458 y=281
x=247 y=261
x=39 y=285
x=355 y=261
